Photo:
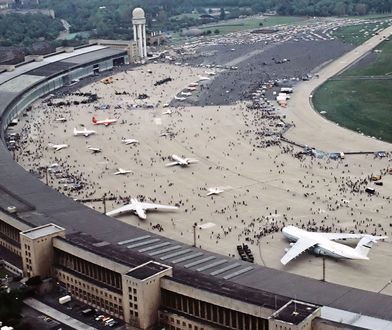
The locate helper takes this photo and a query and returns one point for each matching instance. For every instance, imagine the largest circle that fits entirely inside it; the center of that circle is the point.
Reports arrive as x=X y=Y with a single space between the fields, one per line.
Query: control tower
x=139 y=31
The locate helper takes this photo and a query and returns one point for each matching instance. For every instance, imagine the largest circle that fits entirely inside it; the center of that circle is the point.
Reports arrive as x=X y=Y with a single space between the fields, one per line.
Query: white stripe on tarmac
x=57 y=315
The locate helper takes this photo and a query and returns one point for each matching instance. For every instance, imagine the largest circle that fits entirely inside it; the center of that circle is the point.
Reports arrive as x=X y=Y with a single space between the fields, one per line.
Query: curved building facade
x=145 y=279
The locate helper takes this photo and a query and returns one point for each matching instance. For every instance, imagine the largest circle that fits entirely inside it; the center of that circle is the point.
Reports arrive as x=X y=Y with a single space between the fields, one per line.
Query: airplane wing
x=150 y=206
x=122 y=209
x=171 y=164
x=191 y=160
x=339 y=236
x=299 y=247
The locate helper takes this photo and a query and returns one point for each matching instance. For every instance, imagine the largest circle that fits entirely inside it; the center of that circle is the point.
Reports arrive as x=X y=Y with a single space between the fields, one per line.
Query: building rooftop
x=42 y=231
x=294 y=312
x=147 y=270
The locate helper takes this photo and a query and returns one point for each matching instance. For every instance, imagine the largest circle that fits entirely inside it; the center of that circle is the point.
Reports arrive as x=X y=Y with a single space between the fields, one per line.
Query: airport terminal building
x=145 y=279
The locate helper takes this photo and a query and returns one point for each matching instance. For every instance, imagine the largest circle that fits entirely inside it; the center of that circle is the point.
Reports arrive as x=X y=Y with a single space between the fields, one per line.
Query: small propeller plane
x=57 y=147
x=84 y=132
x=94 y=149
x=323 y=244
x=122 y=171
x=139 y=208
x=183 y=162
x=214 y=191
x=105 y=122
x=129 y=141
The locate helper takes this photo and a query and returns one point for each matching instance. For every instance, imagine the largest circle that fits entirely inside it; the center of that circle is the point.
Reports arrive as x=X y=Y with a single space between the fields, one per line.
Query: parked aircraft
x=167 y=112
x=178 y=98
x=129 y=141
x=186 y=93
x=94 y=149
x=84 y=132
x=57 y=147
x=183 y=162
x=139 y=208
x=201 y=78
x=323 y=244
x=61 y=119
x=211 y=73
x=214 y=191
x=194 y=84
x=105 y=122
x=122 y=171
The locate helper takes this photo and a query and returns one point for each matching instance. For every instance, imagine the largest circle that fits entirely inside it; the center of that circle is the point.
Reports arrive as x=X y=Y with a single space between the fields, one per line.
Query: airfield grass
x=355 y=34
x=360 y=105
x=251 y=23
x=381 y=66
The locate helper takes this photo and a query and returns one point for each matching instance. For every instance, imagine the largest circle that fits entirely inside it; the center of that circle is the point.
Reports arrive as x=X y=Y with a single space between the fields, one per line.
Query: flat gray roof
x=42 y=231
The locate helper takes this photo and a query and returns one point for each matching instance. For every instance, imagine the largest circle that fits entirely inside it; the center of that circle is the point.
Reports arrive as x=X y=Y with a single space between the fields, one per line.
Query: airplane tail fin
x=94 y=120
x=366 y=243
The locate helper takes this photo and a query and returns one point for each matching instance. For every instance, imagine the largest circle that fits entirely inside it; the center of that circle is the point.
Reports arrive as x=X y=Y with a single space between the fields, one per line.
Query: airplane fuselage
x=324 y=246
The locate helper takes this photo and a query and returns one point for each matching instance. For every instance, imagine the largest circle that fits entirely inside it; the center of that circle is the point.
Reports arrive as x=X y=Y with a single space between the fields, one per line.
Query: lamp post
x=194 y=234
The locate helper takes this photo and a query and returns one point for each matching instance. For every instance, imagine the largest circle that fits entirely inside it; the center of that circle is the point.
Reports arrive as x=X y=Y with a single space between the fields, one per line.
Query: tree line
x=23 y=30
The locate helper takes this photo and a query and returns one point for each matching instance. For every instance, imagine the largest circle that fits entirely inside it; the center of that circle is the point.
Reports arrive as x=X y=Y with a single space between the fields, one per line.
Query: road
x=314 y=130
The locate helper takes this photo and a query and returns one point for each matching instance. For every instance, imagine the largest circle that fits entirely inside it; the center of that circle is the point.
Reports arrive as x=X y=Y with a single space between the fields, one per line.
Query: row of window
x=9 y=231
x=211 y=313
x=89 y=293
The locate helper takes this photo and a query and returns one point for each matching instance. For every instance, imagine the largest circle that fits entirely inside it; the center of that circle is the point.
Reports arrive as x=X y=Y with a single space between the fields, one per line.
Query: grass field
x=358 y=34
x=250 y=23
x=360 y=105
x=382 y=65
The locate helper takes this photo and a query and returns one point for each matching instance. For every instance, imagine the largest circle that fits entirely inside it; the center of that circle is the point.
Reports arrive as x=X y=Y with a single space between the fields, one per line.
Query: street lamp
x=194 y=234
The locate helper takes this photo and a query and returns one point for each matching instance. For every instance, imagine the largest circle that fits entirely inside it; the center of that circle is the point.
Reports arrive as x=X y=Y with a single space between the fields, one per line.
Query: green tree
x=216 y=31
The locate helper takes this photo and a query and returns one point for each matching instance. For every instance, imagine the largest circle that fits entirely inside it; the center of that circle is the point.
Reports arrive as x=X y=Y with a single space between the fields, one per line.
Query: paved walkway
x=57 y=315
x=313 y=129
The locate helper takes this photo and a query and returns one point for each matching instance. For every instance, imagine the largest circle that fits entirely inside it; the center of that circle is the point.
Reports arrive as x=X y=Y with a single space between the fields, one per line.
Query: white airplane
x=211 y=73
x=183 y=162
x=201 y=78
x=84 y=132
x=122 y=171
x=194 y=84
x=186 y=93
x=180 y=98
x=323 y=244
x=129 y=141
x=191 y=88
x=214 y=191
x=61 y=119
x=167 y=112
x=105 y=122
x=94 y=149
x=139 y=208
x=57 y=147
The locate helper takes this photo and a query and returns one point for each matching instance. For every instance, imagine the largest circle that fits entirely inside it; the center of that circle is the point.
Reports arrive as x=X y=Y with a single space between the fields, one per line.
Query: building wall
x=173 y=321
x=209 y=312
x=91 y=294
x=37 y=254
x=142 y=299
x=213 y=298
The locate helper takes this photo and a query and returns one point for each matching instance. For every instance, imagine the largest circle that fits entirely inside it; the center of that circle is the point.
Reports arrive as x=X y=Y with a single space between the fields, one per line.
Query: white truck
x=65 y=299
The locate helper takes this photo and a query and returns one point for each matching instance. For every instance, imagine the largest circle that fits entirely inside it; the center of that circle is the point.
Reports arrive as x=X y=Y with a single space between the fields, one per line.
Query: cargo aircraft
x=323 y=244
x=139 y=208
